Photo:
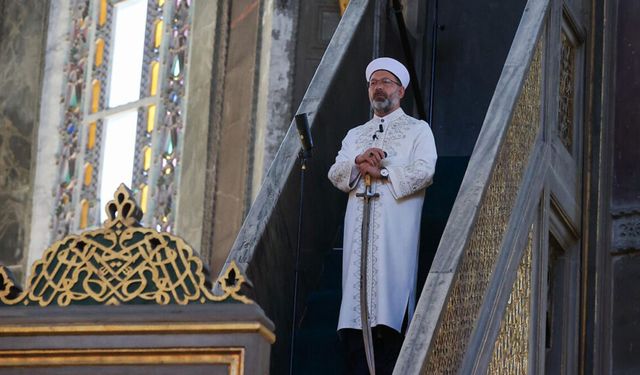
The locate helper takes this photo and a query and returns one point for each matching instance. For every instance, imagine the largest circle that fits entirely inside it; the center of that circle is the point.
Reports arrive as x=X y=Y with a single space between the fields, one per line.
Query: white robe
x=394 y=217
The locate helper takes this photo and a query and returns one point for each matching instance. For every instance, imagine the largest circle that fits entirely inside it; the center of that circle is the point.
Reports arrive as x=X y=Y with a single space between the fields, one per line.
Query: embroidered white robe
x=394 y=217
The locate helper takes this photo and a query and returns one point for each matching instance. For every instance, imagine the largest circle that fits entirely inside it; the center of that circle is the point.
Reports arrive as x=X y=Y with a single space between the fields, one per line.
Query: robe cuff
x=342 y=176
x=395 y=176
x=403 y=184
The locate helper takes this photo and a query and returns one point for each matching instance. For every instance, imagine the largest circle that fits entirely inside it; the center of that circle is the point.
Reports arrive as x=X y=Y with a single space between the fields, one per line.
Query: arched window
x=123 y=106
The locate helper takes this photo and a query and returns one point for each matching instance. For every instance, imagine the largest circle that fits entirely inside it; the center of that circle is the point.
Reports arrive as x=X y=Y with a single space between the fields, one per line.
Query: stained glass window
x=124 y=113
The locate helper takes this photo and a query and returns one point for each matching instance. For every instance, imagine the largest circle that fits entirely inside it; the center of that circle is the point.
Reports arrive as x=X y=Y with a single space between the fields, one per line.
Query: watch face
x=384 y=172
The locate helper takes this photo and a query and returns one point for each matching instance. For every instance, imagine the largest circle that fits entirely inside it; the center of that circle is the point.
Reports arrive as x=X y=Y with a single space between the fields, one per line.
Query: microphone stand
x=303 y=167
x=304 y=155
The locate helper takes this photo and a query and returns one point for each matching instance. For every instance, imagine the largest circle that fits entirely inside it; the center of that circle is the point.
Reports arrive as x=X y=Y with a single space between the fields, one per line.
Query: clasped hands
x=369 y=162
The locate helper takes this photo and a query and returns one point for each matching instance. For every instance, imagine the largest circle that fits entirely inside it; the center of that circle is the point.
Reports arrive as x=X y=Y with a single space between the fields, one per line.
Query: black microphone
x=302 y=124
x=380 y=130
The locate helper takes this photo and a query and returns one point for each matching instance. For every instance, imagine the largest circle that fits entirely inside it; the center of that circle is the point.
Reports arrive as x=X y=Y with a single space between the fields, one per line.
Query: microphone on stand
x=302 y=124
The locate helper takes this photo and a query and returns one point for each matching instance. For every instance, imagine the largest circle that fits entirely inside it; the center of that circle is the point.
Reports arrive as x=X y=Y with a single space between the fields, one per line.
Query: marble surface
x=23 y=32
x=281 y=168
x=50 y=111
x=233 y=166
x=192 y=205
x=275 y=86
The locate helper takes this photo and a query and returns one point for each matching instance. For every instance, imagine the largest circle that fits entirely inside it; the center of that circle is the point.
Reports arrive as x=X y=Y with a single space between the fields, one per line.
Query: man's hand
x=368 y=169
x=372 y=156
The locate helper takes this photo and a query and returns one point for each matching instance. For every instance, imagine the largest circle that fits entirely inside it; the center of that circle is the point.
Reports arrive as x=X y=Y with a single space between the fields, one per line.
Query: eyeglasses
x=386 y=82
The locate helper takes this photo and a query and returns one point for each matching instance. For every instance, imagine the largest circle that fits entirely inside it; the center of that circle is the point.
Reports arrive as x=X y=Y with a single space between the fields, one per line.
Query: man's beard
x=382 y=105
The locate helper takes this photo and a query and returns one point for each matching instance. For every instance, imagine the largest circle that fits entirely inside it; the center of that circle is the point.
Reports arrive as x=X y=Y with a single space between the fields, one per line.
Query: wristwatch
x=384 y=172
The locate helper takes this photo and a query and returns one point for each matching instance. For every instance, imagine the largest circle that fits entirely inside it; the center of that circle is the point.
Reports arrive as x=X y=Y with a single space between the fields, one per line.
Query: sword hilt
x=367 y=194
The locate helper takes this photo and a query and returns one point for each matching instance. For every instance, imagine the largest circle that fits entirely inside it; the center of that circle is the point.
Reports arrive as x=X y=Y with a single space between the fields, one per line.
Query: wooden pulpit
x=124 y=299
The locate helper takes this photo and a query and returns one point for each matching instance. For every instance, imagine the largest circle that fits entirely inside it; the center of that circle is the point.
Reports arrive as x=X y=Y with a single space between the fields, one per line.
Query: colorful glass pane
x=98 y=81
x=88 y=174
x=68 y=171
x=147 y=158
x=84 y=213
x=74 y=97
x=151 y=118
x=95 y=96
x=88 y=188
x=176 y=66
x=169 y=145
x=102 y=18
x=147 y=169
x=155 y=71
x=99 y=51
x=75 y=67
x=173 y=122
x=147 y=33
x=91 y=139
x=157 y=34
x=144 y=197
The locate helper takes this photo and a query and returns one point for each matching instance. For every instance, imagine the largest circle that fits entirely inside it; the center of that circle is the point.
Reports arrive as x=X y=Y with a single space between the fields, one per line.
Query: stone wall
x=22 y=37
x=624 y=201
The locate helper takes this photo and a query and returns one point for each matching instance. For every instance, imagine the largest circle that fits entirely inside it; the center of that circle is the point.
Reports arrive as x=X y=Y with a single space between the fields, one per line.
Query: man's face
x=385 y=92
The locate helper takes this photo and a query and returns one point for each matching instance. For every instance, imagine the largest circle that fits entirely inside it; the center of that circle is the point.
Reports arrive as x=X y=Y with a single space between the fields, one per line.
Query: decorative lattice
x=75 y=70
x=172 y=123
x=511 y=350
x=121 y=263
x=90 y=207
x=154 y=38
x=88 y=191
x=567 y=92
x=480 y=256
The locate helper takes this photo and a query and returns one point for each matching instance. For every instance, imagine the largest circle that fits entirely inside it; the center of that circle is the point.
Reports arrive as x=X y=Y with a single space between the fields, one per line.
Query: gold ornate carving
x=175 y=328
x=511 y=349
x=122 y=263
x=9 y=288
x=481 y=253
x=232 y=358
x=343 y=6
x=566 y=92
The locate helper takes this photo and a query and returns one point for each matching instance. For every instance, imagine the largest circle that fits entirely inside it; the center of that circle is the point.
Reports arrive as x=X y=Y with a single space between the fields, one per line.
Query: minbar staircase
x=481 y=277
x=317 y=348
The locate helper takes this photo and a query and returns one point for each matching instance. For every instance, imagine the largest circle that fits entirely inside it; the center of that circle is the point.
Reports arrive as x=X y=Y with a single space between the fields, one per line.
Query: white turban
x=393 y=66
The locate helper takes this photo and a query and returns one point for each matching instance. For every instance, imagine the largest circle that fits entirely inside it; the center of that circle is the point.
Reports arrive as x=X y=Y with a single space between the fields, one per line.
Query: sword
x=364 y=310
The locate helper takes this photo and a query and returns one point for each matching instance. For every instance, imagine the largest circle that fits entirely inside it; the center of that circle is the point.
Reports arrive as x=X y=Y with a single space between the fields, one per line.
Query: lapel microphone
x=380 y=130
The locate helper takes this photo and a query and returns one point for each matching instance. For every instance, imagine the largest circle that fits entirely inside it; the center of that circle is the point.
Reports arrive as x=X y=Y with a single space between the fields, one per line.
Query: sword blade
x=364 y=305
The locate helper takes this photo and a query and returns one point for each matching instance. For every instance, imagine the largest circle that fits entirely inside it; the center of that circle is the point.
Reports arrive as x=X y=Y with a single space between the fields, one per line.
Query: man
x=399 y=154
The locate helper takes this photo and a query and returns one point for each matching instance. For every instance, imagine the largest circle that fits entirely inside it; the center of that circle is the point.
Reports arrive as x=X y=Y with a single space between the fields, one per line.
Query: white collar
x=389 y=117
